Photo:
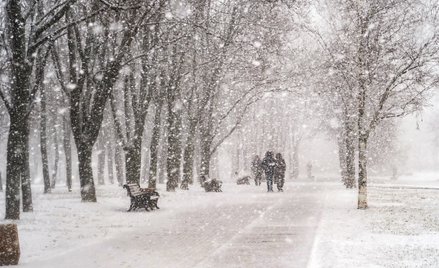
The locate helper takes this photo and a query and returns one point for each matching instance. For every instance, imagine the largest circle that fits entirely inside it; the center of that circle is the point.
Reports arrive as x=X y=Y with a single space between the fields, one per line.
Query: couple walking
x=274 y=169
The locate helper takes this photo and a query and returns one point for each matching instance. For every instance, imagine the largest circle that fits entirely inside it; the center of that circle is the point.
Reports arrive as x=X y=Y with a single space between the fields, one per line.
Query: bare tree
x=26 y=35
x=93 y=71
x=384 y=65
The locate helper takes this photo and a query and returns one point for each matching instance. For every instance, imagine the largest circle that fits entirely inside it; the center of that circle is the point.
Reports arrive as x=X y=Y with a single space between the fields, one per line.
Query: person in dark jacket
x=279 y=172
x=268 y=165
x=257 y=170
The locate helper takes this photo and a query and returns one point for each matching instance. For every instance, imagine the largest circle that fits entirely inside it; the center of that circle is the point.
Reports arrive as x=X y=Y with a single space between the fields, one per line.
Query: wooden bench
x=243 y=180
x=212 y=185
x=146 y=198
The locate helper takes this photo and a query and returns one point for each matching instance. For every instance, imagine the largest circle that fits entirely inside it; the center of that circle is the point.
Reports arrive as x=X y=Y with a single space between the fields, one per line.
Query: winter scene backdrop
x=219 y=133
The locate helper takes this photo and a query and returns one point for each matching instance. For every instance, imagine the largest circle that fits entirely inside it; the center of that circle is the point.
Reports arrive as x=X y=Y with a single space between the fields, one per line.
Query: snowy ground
x=400 y=228
x=312 y=224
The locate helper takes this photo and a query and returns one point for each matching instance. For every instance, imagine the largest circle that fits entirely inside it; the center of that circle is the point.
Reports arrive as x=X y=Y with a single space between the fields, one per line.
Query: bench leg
x=154 y=204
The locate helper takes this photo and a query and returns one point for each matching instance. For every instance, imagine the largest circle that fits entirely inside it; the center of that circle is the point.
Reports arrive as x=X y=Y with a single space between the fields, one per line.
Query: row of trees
x=174 y=76
x=162 y=84
x=381 y=61
x=354 y=68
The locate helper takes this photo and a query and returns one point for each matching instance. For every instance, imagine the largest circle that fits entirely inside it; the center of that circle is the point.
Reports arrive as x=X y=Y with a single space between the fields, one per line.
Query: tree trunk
x=16 y=165
x=155 y=139
x=133 y=158
x=161 y=161
x=174 y=149
x=342 y=157
x=101 y=162
x=362 y=134
x=26 y=190
x=67 y=152
x=43 y=140
x=109 y=151
x=206 y=143
x=295 y=162
x=55 y=162
x=361 y=119
x=188 y=155
x=88 y=191
x=1 y=183
x=362 y=172
x=144 y=168
x=350 y=159
x=118 y=158
x=118 y=139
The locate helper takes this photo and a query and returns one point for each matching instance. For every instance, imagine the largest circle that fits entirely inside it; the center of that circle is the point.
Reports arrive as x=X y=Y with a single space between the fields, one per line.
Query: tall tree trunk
x=295 y=162
x=206 y=137
x=361 y=119
x=133 y=158
x=16 y=165
x=215 y=166
x=362 y=149
x=188 y=155
x=155 y=139
x=362 y=172
x=174 y=149
x=101 y=161
x=67 y=144
x=161 y=161
x=206 y=143
x=346 y=144
x=118 y=142
x=350 y=156
x=144 y=169
x=26 y=190
x=55 y=163
x=43 y=139
x=118 y=159
x=342 y=157
x=109 y=152
x=88 y=191
x=138 y=104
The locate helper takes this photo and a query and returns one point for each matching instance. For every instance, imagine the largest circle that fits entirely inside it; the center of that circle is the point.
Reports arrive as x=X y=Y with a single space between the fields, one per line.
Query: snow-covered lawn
x=314 y=224
x=400 y=228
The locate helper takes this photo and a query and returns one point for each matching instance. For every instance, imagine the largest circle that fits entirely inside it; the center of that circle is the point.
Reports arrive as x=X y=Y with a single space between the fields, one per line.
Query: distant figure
x=257 y=170
x=279 y=172
x=309 y=170
x=268 y=165
x=394 y=173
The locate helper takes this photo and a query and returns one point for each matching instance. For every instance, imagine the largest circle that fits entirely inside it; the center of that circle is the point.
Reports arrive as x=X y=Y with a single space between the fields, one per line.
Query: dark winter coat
x=256 y=167
x=268 y=165
x=279 y=170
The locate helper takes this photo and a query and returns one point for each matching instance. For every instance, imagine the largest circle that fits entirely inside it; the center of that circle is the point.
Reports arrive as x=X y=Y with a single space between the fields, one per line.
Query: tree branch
x=54 y=19
x=5 y=101
x=237 y=124
x=49 y=37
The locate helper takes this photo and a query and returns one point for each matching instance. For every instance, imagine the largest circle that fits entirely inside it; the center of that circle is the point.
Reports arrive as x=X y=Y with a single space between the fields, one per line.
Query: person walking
x=268 y=165
x=279 y=172
x=257 y=170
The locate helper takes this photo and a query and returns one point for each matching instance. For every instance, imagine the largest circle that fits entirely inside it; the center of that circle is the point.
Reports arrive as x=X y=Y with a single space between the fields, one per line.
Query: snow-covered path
x=242 y=227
